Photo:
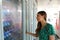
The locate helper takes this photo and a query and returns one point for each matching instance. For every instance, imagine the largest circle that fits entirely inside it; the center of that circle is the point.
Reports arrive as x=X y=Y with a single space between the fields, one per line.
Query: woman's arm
x=35 y=35
x=51 y=37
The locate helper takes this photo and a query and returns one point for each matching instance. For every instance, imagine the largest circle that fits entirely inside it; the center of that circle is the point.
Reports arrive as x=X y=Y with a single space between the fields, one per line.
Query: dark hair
x=43 y=13
x=39 y=25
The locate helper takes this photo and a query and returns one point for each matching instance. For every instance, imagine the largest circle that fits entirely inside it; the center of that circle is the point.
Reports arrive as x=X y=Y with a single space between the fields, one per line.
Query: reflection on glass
x=12 y=21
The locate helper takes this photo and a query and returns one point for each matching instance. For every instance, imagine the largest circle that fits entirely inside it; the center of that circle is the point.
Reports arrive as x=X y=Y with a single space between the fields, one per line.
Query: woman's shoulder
x=50 y=29
x=49 y=25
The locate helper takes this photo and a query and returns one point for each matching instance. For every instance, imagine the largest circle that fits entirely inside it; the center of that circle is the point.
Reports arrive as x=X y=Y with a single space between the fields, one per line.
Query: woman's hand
x=35 y=35
x=27 y=32
x=51 y=37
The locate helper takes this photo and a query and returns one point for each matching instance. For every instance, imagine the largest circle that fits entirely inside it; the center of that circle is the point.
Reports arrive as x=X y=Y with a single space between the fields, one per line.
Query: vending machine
x=17 y=17
x=12 y=20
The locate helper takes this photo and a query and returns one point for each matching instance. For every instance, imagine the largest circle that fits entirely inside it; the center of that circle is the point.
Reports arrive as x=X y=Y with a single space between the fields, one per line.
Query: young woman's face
x=40 y=17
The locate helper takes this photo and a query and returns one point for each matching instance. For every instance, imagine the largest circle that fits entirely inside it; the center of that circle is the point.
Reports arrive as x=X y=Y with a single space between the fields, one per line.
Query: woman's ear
x=43 y=16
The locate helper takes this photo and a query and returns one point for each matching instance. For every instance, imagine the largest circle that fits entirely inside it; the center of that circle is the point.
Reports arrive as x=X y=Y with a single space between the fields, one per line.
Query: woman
x=44 y=30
